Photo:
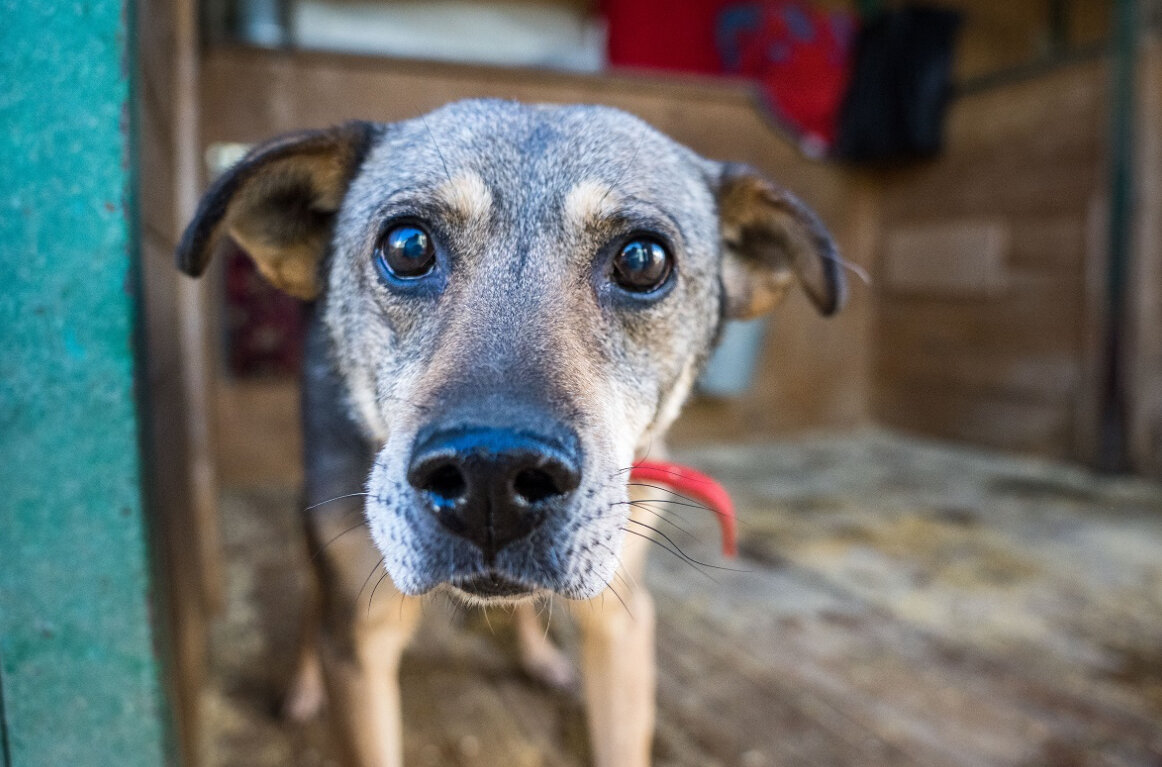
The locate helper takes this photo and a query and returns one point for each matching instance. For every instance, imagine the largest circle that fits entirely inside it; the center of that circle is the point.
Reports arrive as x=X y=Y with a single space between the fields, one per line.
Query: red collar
x=698 y=486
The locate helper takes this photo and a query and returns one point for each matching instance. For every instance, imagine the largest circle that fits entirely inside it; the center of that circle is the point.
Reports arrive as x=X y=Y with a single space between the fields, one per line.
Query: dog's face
x=519 y=300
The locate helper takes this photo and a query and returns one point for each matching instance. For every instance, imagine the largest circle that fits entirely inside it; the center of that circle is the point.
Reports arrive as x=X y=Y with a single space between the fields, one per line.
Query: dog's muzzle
x=493 y=485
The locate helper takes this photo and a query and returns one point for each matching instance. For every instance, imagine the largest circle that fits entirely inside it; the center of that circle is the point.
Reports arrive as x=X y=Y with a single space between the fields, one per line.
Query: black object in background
x=895 y=103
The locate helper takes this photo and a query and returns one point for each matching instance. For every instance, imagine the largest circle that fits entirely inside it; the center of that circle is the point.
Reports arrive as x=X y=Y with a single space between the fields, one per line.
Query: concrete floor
x=898 y=603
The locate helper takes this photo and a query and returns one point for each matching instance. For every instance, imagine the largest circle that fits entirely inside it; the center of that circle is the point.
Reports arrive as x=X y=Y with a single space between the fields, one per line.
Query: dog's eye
x=642 y=265
x=406 y=252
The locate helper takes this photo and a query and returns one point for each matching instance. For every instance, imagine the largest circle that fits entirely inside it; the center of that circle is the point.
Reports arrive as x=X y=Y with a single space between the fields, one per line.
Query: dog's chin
x=492 y=588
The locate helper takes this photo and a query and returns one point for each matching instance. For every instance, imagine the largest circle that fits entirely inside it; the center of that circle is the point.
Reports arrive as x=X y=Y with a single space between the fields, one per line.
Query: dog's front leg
x=617 y=660
x=361 y=640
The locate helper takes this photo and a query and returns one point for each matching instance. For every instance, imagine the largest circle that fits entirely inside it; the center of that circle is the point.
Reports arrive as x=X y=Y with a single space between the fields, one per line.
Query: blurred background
x=949 y=494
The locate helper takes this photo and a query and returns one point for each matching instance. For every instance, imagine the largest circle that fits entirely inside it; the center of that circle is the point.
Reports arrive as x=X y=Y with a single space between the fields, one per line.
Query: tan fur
x=588 y=202
x=467 y=195
x=617 y=661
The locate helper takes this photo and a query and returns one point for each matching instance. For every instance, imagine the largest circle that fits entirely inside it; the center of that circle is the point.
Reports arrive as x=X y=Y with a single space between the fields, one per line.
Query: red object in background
x=799 y=55
x=264 y=327
x=697 y=486
x=659 y=34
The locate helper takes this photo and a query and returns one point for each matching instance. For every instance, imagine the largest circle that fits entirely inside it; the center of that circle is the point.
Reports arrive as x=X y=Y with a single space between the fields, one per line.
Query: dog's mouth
x=493 y=585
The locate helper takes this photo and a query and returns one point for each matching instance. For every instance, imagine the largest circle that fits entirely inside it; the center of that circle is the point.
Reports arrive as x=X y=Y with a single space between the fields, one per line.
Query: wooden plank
x=78 y=673
x=992 y=185
x=1021 y=424
x=1070 y=99
x=1012 y=335
x=183 y=500
x=1030 y=322
x=1052 y=379
x=1145 y=357
x=1094 y=315
x=957 y=257
x=1054 y=244
x=996 y=36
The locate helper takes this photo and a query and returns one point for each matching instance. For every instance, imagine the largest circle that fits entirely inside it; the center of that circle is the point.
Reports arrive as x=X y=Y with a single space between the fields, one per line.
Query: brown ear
x=278 y=204
x=770 y=241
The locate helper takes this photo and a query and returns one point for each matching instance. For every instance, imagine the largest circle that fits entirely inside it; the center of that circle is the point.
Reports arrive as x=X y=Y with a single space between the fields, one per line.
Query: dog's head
x=519 y=299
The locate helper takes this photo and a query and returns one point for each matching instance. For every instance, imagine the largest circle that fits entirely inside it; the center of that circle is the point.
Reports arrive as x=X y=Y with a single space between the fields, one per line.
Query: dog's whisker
x=620 y=578
x=318 y=552
x=661 y=517
x=368 y=578
x=649 y=450
x=632 y=160
x=488 y=621
x=332 y=500
x=691 y=502
x=628 y=611
x=373 y=590
x=625 y=574
x=679 y=511
x=672 y=473
x=459 y=611
x=632 y=466
x=692 y=564
x=436 y=145
x=854 y=268
x=454 y=609
x=612 y=553
x=683 y=553
x=626 y=577
x=549 y=621
x=741 y=523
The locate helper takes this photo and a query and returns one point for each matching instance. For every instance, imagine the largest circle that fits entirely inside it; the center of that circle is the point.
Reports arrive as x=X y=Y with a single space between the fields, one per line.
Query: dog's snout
x=492 y=485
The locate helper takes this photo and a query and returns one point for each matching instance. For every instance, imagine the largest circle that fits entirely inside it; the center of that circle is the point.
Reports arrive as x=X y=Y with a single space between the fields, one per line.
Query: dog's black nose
x=492 y=485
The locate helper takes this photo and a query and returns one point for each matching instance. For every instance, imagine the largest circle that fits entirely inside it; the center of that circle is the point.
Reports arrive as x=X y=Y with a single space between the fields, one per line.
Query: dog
x=509 y=305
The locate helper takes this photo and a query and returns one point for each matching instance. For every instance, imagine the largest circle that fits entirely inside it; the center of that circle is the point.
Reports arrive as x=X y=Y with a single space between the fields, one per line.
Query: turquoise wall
x=78 y=673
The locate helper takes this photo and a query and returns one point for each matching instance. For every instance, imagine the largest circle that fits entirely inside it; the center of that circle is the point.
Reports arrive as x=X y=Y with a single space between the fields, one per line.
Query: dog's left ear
x=278 y=204
x=771 y=240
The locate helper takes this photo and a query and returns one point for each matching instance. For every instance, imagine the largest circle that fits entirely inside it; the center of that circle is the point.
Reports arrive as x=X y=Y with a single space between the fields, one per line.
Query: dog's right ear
x=278 y=204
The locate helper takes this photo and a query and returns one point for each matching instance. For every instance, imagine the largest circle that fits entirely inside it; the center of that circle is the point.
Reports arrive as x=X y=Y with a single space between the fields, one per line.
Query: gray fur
x=526 y=316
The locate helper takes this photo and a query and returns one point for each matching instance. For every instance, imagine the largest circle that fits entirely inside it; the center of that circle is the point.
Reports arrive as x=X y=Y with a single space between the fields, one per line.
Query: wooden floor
x=896 y=603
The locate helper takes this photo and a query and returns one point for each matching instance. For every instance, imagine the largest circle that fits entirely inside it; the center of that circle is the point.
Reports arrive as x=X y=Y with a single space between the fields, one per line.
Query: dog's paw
x=539 y=657
x=550 y=666
x=306 y=695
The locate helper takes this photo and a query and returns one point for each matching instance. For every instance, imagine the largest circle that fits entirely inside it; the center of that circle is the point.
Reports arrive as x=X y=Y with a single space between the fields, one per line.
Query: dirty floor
x=895 y=603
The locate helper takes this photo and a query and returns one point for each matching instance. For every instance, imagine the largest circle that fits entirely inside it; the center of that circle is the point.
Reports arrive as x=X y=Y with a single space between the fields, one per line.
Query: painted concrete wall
x=78 y=674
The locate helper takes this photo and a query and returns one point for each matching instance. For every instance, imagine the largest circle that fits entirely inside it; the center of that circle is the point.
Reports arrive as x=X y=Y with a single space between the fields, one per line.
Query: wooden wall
x=181 y=489
x=1145 y=358
x=985 y=317
x=813 y=370
x=989 y=267
x=1000 y=35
